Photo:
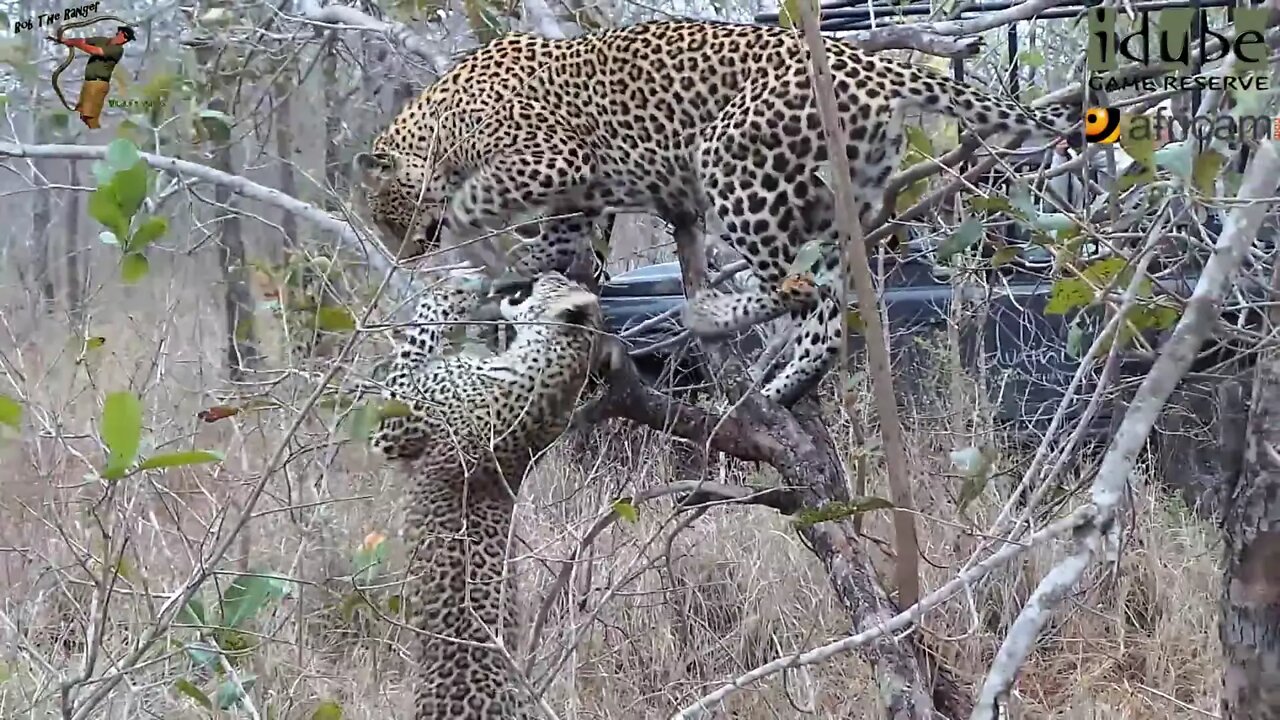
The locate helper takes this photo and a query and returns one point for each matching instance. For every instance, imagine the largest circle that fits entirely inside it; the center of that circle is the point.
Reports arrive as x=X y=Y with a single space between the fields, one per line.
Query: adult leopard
x=677 y=118
x=469 y=429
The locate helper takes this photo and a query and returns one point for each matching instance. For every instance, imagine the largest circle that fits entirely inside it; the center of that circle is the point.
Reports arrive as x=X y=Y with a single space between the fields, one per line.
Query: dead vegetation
x=659 y=618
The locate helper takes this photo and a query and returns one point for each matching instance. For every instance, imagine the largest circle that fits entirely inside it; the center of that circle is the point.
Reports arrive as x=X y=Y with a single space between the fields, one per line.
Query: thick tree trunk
x=284 y=150
x=242 y=346
x=41 y=219
x=72 y=247
x=332 y=122
x=1250 y=623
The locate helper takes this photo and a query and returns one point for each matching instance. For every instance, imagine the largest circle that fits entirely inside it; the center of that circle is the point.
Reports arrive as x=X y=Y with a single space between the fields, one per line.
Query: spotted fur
x=472 y=429
x=678 y=118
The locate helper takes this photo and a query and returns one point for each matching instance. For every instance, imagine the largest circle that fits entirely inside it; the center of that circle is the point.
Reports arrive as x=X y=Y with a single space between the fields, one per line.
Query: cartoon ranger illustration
x=104 y=54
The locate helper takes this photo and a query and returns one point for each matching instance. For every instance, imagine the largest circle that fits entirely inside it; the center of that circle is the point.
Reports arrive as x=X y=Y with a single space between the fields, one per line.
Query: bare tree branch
x=913 y=37
x=347 y=236
x=902 y=620
x=948 y=38
x=397 y=33
x=906 y=544
x=798 y=445
x=1100 y=532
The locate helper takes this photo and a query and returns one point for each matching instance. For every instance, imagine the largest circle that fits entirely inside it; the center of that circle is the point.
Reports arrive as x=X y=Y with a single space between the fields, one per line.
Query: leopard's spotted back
x=474 y=426
x=678 y=118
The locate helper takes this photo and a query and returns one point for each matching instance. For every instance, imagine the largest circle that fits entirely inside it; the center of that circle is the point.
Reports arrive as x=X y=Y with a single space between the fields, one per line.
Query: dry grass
x=734 y=589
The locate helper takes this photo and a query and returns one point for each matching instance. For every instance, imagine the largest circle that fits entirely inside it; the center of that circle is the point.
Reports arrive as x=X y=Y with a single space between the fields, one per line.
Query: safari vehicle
x=1006 y=331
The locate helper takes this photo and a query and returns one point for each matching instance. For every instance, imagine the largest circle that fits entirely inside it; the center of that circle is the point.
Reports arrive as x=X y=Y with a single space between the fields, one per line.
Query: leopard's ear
x=375 y=169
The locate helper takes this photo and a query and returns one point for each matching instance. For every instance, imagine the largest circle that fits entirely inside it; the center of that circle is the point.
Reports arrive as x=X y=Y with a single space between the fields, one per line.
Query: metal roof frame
x=851 y=15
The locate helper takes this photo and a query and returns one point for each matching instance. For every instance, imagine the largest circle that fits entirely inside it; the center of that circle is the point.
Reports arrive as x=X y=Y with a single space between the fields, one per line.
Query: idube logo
x=1168 y=41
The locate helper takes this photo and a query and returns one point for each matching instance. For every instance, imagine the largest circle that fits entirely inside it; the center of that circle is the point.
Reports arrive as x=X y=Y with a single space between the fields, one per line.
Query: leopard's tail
x=931 y=91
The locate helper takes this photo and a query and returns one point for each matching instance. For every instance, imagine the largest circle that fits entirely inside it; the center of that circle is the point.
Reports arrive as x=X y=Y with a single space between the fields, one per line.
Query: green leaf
x=231 y=693
x=971 y=490
x=1205 y=170
x=1066 y=295
x=248 y=595
x=148 y=232
x=193 y=613
x=130 y=187
x=910 y=195
x=351 y=604
x=789 y=14
x=202 y=654
x=1176 y=157
x=989 y=204
x=10 y=412
x=394 y=603
x=625 y=510
x=122 y=155
x=121 y=432
x=1075 y=340
x=1004 y=256
x=965 y=237
x=1025 y=207
x=1153 y=317
x=218 y=115
x=159 y=87
x=976 y=465
x=1248 y=101
x=106 y=237
x=327 y=710
x=133 y=267
x=335 y=318
x=968 y=459
x=853 y=321
x=1031 y=58
x=1022 y=204
x=216 y=124
x=1103 y=271
x=917 y=140
x=1141 y=146
x=244 y=329
x=104 y=208
x=181 y=459
x=808 y=256
x=185 y=687
x=1054 y=222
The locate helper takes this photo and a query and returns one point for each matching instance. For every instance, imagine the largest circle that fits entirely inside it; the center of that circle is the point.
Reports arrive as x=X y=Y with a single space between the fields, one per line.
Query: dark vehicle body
x=1026 y=356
